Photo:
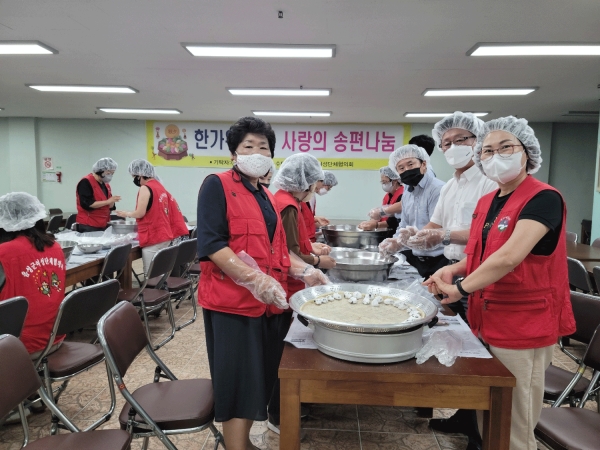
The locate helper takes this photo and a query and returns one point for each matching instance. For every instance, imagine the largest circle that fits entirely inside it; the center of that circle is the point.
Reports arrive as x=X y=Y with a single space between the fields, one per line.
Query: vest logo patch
x=503 y=224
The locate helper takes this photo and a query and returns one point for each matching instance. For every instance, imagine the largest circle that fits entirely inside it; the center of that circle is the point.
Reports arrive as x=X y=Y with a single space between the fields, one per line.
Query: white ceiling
x=388 y=53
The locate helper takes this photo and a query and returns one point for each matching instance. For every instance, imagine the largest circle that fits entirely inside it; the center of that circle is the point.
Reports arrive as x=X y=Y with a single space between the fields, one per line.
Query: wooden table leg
x=289 y=438
x=126 y=278
x=496 y=421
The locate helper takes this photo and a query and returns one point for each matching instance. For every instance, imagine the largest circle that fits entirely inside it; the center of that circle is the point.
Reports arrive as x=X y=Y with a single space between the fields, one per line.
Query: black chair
x=160 y=408
x=54 y=224
x=180 y=284
x=55 y=211
x=153 y=300
x=574 y=428
x=571 y=237
x=19 y=380
x=114 y=262
x=12 y=315
x=578 y=276
x=558 y=385
x=185 y=219
x=194 y=233
x=80 y=309
x=70 y=221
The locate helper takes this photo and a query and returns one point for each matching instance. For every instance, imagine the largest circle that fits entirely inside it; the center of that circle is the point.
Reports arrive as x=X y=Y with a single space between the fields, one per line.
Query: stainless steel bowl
x=122 y=227
x=89 y=248
x=351 y=236
x=67 y=248
x=357 y=265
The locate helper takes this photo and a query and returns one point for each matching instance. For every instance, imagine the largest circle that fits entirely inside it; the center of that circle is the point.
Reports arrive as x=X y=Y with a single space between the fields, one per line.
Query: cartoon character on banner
x=172 y=146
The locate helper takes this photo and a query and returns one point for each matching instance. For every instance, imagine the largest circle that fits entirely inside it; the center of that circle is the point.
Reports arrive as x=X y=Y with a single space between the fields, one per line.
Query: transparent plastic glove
x=444 y=345
x=265 y=289
x=320 y=249
x=307 y=273
x=404 y=234
x=426 y=239
x=389 y=247
x=377 y=213
x=368 y=225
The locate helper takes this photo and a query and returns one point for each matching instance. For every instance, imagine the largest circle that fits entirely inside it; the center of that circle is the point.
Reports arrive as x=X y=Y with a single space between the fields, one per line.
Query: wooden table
x=589 y=266
x=93 y=268
x=312 y=377
x=583 y=252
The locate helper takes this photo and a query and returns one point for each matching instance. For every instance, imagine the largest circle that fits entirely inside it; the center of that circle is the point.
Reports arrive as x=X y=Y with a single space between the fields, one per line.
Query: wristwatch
x=446 y=238
x=460 y=288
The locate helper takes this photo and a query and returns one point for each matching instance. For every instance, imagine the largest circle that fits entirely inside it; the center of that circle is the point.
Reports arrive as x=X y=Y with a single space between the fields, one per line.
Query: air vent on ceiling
x=581 y=114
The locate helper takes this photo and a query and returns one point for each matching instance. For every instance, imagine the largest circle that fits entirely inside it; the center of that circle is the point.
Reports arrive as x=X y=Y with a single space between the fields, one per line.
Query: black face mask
x=411 y=177
x=266 y=185
x=137 y=181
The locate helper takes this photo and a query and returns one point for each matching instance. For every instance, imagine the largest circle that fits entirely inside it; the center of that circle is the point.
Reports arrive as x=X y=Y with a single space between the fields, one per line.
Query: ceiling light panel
x=280 y=92
x=477 y=92
x=25 y=48
x=293 y=113
x=139 y=110
x=260 y=51
x=534 y=49
x=424 y=115
x=83 y=88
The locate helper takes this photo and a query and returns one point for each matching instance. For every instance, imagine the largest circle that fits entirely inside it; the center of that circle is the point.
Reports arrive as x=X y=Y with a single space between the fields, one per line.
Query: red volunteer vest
x=247 y=232
x=178 y=225
x=285 y=199
x=155 y=226
x=40 y=278
x=309 y=221
x=96 y=217
x=529 y=307
x=391 y=200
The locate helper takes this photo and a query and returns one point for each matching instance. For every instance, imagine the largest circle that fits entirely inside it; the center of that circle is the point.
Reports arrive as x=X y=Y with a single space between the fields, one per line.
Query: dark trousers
x=274 y=406
x=86 y=228
x=425 y=265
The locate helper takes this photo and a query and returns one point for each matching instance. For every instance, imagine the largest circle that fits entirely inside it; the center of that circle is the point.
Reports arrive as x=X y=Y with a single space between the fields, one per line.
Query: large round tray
x=350 y=236
x=305 y=295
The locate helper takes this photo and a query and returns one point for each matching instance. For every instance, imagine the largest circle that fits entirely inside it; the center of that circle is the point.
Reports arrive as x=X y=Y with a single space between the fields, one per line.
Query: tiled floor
x=335 y=427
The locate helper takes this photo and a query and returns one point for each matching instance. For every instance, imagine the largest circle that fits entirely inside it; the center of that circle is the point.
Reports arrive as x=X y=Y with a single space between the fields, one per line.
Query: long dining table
x=583 y=252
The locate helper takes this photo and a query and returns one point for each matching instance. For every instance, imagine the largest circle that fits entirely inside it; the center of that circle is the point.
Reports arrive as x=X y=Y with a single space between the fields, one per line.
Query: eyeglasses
x=458 y=141
x=504 y=151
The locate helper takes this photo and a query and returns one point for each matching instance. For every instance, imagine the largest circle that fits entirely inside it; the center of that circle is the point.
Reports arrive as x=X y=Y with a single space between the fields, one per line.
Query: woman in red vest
x=32 y=265
x=178 y=225
x=515 y=273
x=245 y=264
x=383 y=216
x=94 y=197
x=151 y=211
x=309 y=207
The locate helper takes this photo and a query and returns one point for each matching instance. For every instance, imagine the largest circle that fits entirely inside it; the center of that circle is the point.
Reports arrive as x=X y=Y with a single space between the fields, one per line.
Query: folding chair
x=159 y=408
x=81 y=308
x=114 y=262
x=578 y=276
x=150 y=300
x=70 y=221
x=54 y=211
x=558 y=385
x=12 y=315
x=17 y=372
x=574 y=428
x=596 y=272
x=54 y=224
x=180 y=285
x=571 y=237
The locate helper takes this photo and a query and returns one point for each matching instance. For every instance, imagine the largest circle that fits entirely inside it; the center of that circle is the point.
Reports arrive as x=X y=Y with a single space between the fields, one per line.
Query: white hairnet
x=329 y=179
x=142 y=168
x=464 y=121
x=20 y=211
x=408 y=151
x=387 y=172
x=298 y=172
x=104 y=164
x=519 y=129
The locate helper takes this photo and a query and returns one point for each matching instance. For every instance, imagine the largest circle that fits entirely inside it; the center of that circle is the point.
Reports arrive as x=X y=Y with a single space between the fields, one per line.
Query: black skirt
x=244 y=355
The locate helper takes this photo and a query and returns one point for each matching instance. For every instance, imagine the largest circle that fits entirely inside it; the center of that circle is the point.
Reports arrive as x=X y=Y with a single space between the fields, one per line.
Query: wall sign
x=337 y=146
x=47 y=163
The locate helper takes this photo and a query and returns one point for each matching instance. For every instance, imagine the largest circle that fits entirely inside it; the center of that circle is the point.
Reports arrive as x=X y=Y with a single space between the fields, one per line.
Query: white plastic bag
x=444 y=345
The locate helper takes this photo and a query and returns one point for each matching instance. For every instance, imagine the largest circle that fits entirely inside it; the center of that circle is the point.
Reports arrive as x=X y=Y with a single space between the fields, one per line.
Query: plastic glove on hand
x=426 y=239
x=375 y=213
x=314 y=277
x=368 y=225
x=265 y=289
x=389 y=247
x=405 y=234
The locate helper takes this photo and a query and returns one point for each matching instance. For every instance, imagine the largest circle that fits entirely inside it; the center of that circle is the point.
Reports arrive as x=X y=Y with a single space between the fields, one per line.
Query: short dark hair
x=253 y=125
x=36 y=235
x=423 y=141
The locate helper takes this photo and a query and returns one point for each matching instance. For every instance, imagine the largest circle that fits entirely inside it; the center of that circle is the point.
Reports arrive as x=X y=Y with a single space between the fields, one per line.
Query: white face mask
x=503 y=170
x=458 y=156
x=387 y=187
x=322 y=191
x=254 y=166
x=106 y=178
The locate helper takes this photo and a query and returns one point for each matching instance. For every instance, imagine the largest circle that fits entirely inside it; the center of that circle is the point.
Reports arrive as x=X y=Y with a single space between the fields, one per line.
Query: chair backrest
x=115 y=261
x=194 y=233
x=162 y=262
x=596 y=274
x=122 y=336
x=591 y=358
x=54 y=224
x=70 y=221
x=12 y=315
x=54 y=211
x=596 y=243
x=18 y=378
x=185 y=219
x=578 y=275
x=586 y=309
x=84 y=307
x=185 y=257
x=571 y=237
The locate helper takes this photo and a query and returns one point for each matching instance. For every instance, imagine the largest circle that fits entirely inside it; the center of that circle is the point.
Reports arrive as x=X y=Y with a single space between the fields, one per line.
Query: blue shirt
x=418 y=207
